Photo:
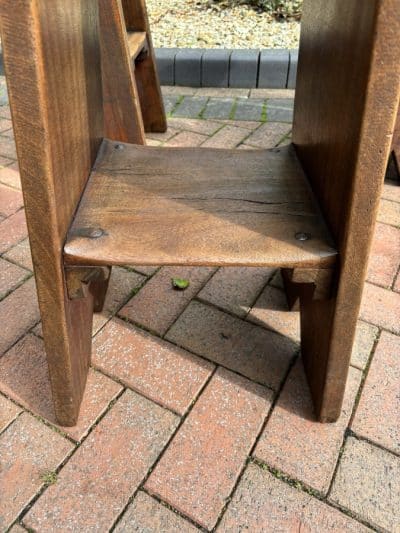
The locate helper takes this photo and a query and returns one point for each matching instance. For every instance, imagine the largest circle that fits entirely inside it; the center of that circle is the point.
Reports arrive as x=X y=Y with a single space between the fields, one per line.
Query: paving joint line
x=276 y=396
x=182 y=419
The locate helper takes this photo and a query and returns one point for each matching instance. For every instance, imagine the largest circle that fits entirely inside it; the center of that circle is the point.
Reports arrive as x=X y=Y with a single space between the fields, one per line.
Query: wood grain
x=122 y=113
x=137 y=43
x=346 y=102
x=147 y=80
x=197 y=206
x=396 y=142
x=52 y=63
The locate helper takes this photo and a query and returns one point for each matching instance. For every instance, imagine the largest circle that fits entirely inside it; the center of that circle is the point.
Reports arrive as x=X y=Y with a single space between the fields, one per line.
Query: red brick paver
x=367 y=483
x=95 y=485
x=381 y=307
x=186 y=138
x=385 y=254
x=12 y=230
x=378 y=413
x=145 y=514
x=10 y=276
x=389 y=213
x=199 y=469
x=235 y=288
x=264 y=503
x=151 y=366
x=18 y=312
x=271 y=311
x=10 y=176
x=158 y=304
x=256 y=353
x=24 y=377
x=21 y=254
x=28 y=450
x=227 y=137
x=268 y=135
x=294 y=443
x=8 y=412
x=10 y=200
x=121 y=286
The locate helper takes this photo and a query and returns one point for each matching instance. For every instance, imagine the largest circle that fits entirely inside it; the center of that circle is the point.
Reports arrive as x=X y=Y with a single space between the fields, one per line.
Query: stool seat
x=198 y=206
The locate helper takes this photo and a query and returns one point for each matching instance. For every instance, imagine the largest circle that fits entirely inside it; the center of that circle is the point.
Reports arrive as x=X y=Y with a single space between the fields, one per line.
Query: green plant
x=49 y=478
x=280 y=9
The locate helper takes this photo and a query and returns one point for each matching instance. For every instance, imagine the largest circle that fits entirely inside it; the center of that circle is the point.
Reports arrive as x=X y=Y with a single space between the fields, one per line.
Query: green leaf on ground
x=180 y=284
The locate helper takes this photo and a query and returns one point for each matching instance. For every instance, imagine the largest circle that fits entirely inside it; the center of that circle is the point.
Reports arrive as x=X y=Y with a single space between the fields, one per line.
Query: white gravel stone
x=200 y=24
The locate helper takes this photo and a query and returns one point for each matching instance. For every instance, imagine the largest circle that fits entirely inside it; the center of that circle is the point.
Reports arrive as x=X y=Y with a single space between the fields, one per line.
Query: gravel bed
x=201 y=24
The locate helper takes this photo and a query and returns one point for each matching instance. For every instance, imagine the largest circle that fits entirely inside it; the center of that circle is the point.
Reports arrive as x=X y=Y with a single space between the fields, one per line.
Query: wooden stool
x=92 y=202
x=396 y=143
x=132 y=96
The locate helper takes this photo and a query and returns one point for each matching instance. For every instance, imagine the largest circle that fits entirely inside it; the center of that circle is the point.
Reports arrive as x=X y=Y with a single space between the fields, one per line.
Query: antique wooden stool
x=131 y=90
x=93 y=202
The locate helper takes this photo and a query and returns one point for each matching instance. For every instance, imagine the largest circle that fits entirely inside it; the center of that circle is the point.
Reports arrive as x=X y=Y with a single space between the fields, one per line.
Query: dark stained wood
x=82 y=281
x=396 y=142
x=122 y=114
x=52 y=62
x=346 y=103
x=146 y=74
x=197 y=206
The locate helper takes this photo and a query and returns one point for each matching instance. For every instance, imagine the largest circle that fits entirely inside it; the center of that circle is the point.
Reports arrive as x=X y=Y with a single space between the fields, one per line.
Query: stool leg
x=327 y=335
x=145 y=71
x=123 y=119
x=396 y=142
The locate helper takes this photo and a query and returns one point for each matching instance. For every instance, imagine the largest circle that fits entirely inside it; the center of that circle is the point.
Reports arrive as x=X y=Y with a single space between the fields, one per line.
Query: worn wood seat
x=157 y=206
x=93 y=201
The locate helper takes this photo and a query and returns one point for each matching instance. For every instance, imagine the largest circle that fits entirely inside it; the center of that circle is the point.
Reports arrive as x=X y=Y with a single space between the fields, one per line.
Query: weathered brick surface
x=366 y=335
x=256 y=353
x=7 y=147
x=122 y=284
x=146 y=514
x=155 y=368
x=389 y=212
x=235 y=288
x=391 y=191
x=227 y=137
x=385 y=255
x=28 y=450
x=10 y=200
x=268 y=135
x=21 y=254
x=264 y=503
x=95 y=485
x=295 y=443
x=199 y=469
x=24 y=377
x=12 y=230
x=381 y=308
x=8 y=412
x=10 y=276
x=5 y=125
x=378 y=413
x=271 y=311
x=204 y=127
x=158 y=304
x=368 y=484
x=186 y=138
x=10 y=176
x=18 y=313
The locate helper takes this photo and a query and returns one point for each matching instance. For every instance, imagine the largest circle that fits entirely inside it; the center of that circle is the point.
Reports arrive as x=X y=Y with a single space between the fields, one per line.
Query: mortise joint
x=79 y=280
x=313 y=283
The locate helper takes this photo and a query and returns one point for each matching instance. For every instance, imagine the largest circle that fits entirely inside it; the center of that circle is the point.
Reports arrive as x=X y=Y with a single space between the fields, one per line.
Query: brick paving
x=197 y=416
